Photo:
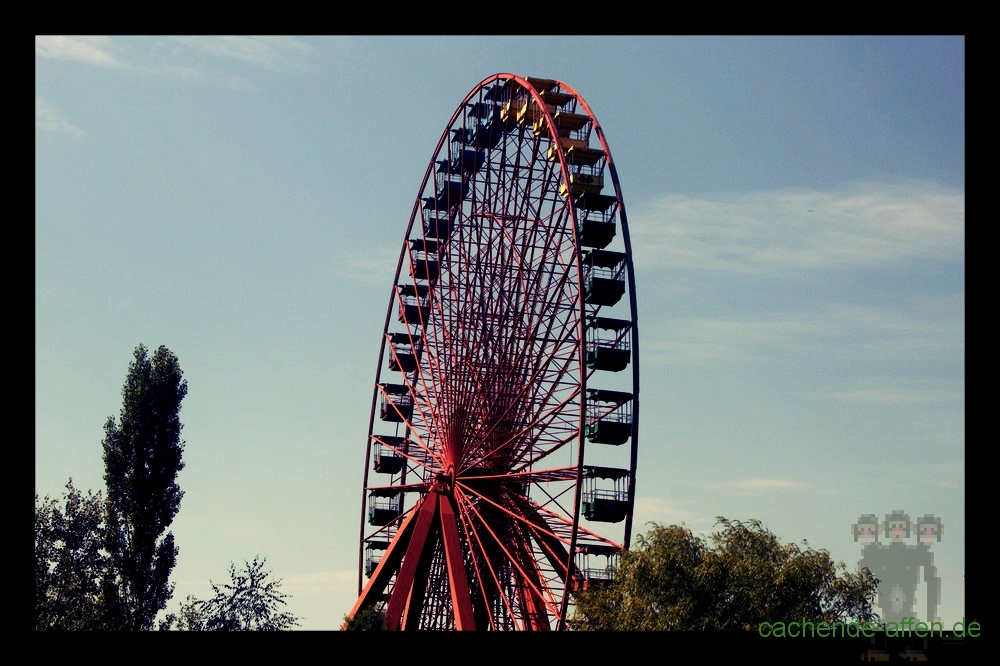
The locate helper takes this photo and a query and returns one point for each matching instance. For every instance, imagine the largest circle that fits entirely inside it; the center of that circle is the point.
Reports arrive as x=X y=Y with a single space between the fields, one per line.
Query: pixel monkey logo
x=897 y=564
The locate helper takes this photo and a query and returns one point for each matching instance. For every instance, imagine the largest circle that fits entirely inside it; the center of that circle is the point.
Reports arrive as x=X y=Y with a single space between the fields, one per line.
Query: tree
x=742 y=577
x=142 y=456
x=191 y=616
x=366 y=619
x=69 y=561
x=249 y=602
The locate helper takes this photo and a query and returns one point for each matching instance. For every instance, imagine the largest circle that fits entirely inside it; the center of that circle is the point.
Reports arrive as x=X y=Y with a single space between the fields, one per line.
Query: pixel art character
x=897 y=564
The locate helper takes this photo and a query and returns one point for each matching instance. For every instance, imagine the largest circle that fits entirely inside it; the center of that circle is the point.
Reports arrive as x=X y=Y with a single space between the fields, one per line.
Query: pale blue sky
x=797 y=206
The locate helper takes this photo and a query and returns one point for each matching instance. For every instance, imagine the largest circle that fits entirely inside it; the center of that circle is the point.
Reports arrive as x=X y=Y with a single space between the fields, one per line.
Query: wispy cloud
x=48 y=118
x=892 y=392
x=925 y=328
x=184 y=58
x=759 y=486
x=319 y=582
x=271 y=52
x=866 y=224
x=90 y=50
x=372 y=268
x=654 y=509
x=942 y=475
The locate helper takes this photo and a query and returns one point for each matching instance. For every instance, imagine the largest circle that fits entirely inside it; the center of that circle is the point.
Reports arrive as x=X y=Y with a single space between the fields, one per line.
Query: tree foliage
x=69 y=562
x=366 y=619
x=740 y=577
x=190 y=617
x=142 y=456
x=249 y=602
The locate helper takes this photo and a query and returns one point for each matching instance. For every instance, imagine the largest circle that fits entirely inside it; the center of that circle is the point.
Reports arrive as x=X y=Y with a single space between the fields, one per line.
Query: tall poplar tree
x=142 y=456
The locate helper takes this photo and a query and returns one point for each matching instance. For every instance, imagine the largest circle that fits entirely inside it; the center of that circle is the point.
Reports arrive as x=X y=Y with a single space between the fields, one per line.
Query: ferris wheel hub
x=443 y=483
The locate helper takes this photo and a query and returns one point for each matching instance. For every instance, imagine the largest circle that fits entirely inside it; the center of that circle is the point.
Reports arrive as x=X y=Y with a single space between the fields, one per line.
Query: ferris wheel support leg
x=399 y=599
x=415 y=601
x=461 y=600
x=383 y=573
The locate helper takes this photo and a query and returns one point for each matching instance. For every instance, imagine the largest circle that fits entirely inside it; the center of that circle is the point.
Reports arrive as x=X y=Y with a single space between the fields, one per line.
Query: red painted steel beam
x=415 y=601
x=386 y=567
x=508 y=556
x=536 y=617
x=554 y=549
x=407 y=572
x=490 y=585
x=461 y=600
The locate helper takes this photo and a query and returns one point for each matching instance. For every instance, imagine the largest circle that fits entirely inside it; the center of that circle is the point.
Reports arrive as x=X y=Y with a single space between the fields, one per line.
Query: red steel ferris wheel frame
x=494 y=360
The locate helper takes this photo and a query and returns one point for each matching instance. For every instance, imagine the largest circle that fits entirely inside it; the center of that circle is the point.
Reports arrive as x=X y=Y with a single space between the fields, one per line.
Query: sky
x=797 y=213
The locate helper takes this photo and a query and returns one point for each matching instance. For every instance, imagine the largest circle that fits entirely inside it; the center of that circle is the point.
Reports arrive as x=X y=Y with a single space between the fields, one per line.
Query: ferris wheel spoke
x=460 y=359
x=490 y=587
x=515 y=515
x=408 y=422
x=557 y=524
x=551 y=368
x=538 y=476
x=421 y=486
x=535 y=380
x=554 y=547
x=534 y=614
x=425 y=407
x=546 y=422
x=535 y=584
x=405 y=452
x=566 y=523
x=554 y=497
x=537 y=424
x=425 y=459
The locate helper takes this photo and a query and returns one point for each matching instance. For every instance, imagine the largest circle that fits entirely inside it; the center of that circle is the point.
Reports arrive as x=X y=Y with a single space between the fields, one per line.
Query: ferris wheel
x=501 y=458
